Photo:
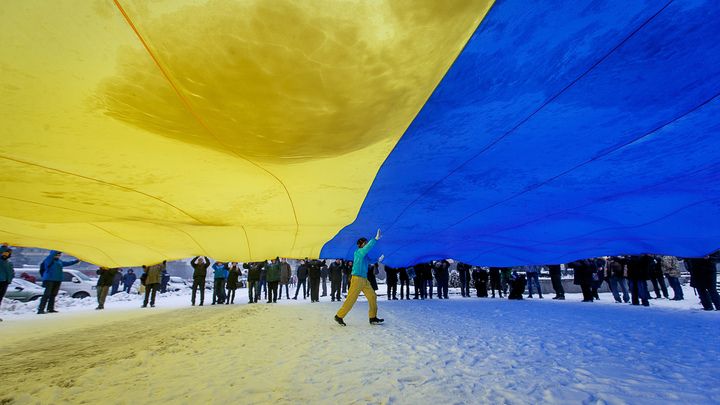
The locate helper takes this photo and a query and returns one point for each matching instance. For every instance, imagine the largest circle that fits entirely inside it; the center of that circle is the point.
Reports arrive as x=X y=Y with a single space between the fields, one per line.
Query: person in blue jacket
x=220 y=273
x=52 y=278
x=6 y=270
x=359 y=282
x=128 y=280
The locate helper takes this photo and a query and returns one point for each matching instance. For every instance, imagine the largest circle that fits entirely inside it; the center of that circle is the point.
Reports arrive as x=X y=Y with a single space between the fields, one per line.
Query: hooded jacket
x=6 y=268
x=54 y=267
x=219 y=270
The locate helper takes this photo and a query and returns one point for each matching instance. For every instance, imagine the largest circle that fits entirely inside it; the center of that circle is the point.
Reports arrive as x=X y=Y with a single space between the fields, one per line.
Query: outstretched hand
x=378 y=235
x=381 y=257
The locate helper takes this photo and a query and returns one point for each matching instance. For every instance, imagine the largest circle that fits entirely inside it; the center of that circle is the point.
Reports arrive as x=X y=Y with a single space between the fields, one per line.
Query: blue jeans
x=708 y=297
x=533 y=278
x=253 y=288
x=304 y=285
x=428 y=285
x=639 y=292
x=464 y=284
x=219 y=291
x=52 y=288
x=613 y=282
x=677 y=289
x=442 y=289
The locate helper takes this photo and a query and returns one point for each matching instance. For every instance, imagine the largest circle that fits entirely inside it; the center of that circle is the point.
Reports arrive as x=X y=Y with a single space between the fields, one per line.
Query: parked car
x=75 y=282
x=177 y=284
x=25 y=291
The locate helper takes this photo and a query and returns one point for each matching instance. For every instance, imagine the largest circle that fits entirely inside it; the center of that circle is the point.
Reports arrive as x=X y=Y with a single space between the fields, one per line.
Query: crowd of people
x=627 y=279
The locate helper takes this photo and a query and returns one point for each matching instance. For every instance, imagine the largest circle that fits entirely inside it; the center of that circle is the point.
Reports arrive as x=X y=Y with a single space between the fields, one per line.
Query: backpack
x=42 y=268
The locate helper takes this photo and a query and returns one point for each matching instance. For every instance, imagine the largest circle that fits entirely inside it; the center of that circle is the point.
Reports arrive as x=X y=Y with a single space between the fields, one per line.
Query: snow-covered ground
x=462 y=350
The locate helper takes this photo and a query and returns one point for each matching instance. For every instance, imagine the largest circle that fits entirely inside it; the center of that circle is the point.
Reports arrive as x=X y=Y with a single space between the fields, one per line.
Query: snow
x=461 y=350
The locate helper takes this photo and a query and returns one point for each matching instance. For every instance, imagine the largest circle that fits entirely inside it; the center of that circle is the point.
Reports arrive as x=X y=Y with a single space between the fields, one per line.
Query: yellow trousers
x=358 y=285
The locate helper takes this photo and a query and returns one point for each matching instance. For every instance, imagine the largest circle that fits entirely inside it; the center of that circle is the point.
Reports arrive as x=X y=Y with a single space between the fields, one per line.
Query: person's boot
x=376 y=320
x=339 y=321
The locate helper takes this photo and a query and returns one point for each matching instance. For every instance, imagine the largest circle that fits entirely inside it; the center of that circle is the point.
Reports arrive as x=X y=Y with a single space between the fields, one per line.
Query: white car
x=75 y=282
x=177 y=284
x=24 y=291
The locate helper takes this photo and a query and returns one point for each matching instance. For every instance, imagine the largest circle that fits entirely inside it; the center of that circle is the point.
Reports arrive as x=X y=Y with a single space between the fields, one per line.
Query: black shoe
x=52 y=311
x=41 y=312
x=144 y=306
x=200 y=304
x=294 y=298
x=339 y=321
x=376 y=320
x=192 y=304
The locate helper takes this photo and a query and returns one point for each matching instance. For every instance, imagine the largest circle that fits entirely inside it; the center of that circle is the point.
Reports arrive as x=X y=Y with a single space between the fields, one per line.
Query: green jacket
x=273 y=271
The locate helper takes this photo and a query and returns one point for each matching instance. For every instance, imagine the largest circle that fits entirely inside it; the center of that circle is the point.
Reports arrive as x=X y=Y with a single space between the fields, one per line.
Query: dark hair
x=361 y=241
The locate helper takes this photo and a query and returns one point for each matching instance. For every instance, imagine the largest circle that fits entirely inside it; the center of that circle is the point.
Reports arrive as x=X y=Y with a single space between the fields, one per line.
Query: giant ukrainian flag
x=495 y=133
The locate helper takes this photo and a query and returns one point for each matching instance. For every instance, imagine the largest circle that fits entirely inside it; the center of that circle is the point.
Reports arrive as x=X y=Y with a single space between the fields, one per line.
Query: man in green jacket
x=107 y=277
x=152 y=282
x=273 y=279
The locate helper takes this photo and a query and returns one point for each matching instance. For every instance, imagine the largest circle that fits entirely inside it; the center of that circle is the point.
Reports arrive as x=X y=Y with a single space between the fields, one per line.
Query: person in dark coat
x=233 y=281
x=372 y=271
x=582 y=276
x=164 y=280
x=494 y=282
x=105 y=282
x=615 y=277
x=347 y=276
x=391 y=281
x=404 y=283
x=128 y=280
x=428 y=281
x=475 y=274
x=703 y=277
x=253 y=279
x=464 y=273
x=442 y=275
x=200 y=267
x=116 y=282
x=638 y=273
x=285 y=276
x=273 y=279
x=314 y=278
x=657 y=279
x=418 y=280
x=7 y=273
x=335 y=273
x=517 y=284
x=556 y=280
x=481 y=285
x=263 y=279
x=597 y=270
x=302 y=274
x=323 y=279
